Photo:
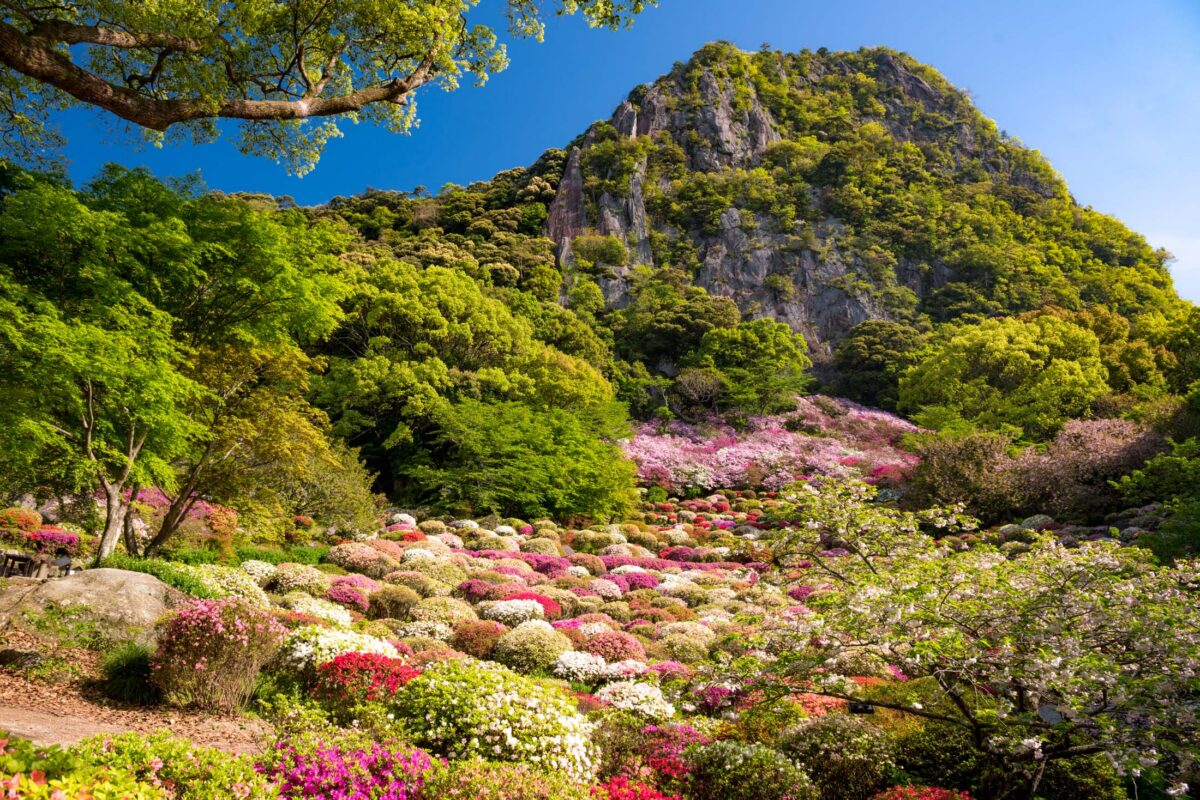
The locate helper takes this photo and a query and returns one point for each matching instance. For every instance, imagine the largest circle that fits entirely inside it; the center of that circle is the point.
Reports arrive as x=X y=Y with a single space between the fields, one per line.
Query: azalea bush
x=180 y=768
x=352 y=767
x=476 y=779
x=468 y=709
x=308 y=647
x=353 y=678
x=728 y=770
x=210 y=653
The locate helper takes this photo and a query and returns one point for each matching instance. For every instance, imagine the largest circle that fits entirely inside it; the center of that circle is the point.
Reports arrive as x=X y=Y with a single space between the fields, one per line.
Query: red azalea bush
x=362 y=678
x=615 y=646
x=210 y=653
x=621 y=788
x=921 y=793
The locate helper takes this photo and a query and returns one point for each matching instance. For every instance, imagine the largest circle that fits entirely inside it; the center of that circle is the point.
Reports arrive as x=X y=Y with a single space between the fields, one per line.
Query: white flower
x=512 y=612
x=640 y=698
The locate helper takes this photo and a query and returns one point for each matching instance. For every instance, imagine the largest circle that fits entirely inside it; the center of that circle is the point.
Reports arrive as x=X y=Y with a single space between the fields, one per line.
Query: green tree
x=871 y=359
x=763 y=363
x=516 y=460
x=286 y=71
x=1007 y=374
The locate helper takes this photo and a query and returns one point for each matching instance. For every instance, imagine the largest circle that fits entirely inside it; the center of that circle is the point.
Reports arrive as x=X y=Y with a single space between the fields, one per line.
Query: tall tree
x=273 y=66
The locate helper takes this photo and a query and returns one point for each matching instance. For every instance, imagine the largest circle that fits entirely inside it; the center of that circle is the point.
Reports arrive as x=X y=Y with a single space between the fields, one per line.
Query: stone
x=1038 y=522
x=121 y=604
x=20 y=659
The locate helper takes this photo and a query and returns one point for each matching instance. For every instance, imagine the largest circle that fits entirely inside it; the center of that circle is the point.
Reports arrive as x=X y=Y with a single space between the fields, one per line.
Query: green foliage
x=475 y=779
x=1026 y=377
x=871 y=359
x=762 y=364
x=357 y=62
x=728 y=770
x=174 y=575
x=127 y=674
x=196 y=773
x=608 y=250
x=846 y=758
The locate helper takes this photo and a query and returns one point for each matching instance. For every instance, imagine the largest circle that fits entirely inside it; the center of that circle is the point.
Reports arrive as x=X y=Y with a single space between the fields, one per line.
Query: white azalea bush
x=307 y=648
x=474 y=709
x=260 y=571
x=644 y=699
x=299 y=578
x=324 y=610
x=512 y=612
x=581 y=667
x=230 y=582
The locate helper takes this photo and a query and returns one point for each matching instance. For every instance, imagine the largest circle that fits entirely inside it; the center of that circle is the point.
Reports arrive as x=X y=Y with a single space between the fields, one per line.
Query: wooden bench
x=20 y=565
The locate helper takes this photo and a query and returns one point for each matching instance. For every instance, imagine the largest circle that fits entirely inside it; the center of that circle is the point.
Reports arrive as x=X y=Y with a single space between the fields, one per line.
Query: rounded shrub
x=615 y=646
x=475 y=779
x=475 y=709
x=531 y=647
x=447 y=610
x=391 y=602
x=847 y=758
x=353 y=678
x=729 y=770
x=477 y=637
x=210 y=653
x=348 y=767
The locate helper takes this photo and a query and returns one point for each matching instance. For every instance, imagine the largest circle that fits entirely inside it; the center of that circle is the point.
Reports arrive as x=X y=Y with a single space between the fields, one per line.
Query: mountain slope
x=825 y=189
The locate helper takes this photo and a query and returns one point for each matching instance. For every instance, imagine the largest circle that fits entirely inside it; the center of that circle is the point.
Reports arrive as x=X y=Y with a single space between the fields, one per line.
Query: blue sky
x=1108 y=90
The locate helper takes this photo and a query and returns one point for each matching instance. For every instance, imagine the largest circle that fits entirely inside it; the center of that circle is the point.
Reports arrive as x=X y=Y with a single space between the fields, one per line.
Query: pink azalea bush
x=773 y=451
x=210 y=653
x=316 y=769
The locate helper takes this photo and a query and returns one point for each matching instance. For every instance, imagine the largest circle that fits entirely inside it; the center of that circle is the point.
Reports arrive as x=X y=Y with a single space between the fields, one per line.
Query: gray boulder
x=121 y=604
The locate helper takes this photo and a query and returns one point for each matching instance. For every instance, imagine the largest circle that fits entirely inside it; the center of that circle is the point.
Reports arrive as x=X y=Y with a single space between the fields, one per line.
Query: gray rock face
x=721 y=123
x=122 y=604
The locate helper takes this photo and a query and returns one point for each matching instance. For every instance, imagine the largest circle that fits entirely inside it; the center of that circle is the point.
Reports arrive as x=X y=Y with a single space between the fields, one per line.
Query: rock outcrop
x=121 y=604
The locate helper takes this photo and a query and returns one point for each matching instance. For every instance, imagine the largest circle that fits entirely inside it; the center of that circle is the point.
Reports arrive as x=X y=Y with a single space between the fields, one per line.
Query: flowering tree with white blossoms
x=1046 y=655
x=839 y=529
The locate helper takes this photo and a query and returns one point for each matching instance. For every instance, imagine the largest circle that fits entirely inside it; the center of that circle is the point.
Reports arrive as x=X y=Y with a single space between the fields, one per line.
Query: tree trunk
x=114 y=520
x=176 y=514
x=130 y=536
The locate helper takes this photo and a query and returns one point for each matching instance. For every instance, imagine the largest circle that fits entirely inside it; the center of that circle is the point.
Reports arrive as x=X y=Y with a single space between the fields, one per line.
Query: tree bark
x=114 y=520
x=130 y=536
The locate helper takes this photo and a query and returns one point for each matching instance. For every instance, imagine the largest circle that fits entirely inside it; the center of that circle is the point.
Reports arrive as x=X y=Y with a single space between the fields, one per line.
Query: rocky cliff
x=823 y=190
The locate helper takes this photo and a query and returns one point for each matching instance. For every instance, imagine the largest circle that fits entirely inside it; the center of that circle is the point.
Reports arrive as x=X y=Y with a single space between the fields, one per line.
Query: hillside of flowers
x=810 y=643
x=823 y=436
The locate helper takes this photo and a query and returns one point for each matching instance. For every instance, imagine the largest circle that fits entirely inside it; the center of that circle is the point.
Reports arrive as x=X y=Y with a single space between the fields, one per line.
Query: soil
x=63 y=712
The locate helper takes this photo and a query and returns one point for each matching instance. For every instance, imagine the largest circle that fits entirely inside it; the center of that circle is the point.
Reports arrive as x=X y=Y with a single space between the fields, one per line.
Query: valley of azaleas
x=713 y=648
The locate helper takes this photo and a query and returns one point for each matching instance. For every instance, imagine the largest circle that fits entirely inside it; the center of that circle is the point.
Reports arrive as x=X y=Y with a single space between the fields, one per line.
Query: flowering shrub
x=846 y=758
x=210 y=653
x=477 y=637
x=488 y=780
x=550 y=608
x=531 y=647
x=25 y=520
x=476 y=709
x=729 y=770
x=513 y=612
x=321 y=609
x=52 y=539
x=357 y=557
x=446 y=610
x=772 y=452
x=79 y=785
x=615 y=646
x=621 y=788
x=261 y=571
x=392 y=602
x=920 y=793
x=349 y=596
x=181 y=769
x=230 y=582
x=308 y=647
x=643 y=699
x=312 y=768
x=352 y=678
x=575 y=665
x=291 y=577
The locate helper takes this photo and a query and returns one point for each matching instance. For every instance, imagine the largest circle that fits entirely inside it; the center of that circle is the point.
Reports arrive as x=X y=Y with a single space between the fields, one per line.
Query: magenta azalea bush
x=823 y=436
x=312 y=769
x=210 y=653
